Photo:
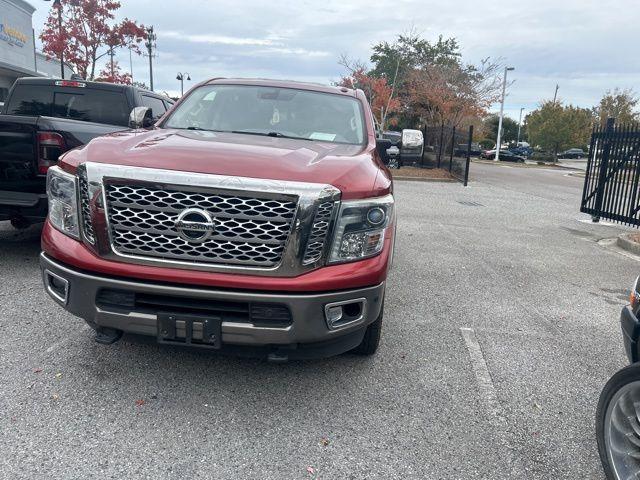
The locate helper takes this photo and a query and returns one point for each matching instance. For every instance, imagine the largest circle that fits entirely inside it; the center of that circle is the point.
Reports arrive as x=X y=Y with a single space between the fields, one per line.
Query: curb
x=421 y=179
x=627 y=244
x=523 y=165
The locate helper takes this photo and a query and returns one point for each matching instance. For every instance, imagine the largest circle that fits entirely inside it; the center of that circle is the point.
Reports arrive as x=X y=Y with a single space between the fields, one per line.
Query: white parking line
x=489 y=399
x=486 y=389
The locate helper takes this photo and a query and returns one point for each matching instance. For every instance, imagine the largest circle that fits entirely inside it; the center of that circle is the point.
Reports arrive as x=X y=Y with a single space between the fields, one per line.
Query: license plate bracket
x=186 y=329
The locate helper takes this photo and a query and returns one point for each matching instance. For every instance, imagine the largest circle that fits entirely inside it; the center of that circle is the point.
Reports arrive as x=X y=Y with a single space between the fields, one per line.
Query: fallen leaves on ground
x=324 y=441
x=140 y=402
x=311 y=470
x=37 y=370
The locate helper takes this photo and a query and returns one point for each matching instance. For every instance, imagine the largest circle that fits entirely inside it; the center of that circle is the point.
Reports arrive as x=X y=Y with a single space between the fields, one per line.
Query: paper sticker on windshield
x=327 y=137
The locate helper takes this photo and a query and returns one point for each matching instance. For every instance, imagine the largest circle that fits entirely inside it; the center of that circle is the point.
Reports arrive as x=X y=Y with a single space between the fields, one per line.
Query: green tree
x=556 y=127
x=509 y=128
x=619 y=104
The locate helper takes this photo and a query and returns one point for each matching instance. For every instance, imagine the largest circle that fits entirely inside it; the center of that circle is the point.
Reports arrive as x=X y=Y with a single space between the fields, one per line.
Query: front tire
x=371 y=340
x=618 y=424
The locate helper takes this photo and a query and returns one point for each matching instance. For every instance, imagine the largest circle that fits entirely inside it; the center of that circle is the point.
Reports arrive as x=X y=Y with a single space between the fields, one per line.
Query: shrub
x=487 y=144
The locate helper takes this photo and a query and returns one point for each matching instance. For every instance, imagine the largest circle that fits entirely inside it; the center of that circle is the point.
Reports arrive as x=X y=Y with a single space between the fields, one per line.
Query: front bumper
x=307 y=330
x=630 y=333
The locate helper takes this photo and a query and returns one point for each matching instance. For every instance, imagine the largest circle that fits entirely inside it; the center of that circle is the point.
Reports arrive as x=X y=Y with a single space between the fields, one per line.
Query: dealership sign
x=12 y=35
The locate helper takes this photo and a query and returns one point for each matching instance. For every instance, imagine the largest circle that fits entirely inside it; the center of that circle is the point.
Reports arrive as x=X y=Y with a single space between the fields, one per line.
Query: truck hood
x=354 y=169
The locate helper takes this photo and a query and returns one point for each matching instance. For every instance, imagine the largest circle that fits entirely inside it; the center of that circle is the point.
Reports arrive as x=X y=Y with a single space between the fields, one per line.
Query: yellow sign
x=12 y=35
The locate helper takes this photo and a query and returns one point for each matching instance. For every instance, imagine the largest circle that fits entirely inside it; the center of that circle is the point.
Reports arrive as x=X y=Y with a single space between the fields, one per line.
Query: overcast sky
x=585 y=46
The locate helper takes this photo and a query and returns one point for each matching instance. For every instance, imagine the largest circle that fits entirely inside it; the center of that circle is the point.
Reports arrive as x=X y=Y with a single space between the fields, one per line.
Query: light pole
x=58 y=5
x=180 y=77
x=519 y=125
x=504 y=90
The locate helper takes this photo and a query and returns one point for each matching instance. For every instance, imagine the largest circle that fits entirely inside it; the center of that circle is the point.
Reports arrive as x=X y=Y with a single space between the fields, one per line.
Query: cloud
x=582 y=45
x=218 y=39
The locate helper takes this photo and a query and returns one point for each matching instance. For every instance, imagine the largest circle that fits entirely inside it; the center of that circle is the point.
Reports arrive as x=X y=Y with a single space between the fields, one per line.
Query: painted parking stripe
x=487 y=391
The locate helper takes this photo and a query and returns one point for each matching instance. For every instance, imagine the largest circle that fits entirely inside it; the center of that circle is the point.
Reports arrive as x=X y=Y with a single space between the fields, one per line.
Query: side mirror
x=141 y=117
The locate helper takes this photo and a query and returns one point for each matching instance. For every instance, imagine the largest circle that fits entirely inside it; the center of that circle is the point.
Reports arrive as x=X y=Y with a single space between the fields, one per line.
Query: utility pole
x=111 y=54
x=131 y=63
x=519 y=125
x=151 y=46
x=504 y=90
x=58 y=6
x=555 y=95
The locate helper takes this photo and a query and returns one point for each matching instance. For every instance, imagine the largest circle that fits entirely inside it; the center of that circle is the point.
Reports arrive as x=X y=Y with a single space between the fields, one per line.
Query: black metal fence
x=448 y=148
x=611 y=184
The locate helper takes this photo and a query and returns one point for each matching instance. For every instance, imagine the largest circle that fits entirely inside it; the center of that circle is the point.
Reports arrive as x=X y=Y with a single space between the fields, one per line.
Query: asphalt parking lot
x=501 y=327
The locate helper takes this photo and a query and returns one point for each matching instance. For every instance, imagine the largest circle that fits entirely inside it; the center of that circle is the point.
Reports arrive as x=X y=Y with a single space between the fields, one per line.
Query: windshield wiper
x=269 y=134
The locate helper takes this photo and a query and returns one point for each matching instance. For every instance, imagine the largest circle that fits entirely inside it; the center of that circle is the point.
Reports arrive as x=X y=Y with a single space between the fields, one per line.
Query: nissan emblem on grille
x=195 y=225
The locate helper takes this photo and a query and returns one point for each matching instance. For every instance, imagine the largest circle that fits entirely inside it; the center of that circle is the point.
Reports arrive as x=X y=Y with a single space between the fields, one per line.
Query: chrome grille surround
x=85 y=206
x=261 y=227
x=318 y=237
x=248 y=230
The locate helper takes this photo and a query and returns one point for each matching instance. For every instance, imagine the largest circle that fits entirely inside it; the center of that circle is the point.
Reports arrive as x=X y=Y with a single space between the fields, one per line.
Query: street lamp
x=180 y=77
x=504 y=89
x=520 y=124
x=58 y=5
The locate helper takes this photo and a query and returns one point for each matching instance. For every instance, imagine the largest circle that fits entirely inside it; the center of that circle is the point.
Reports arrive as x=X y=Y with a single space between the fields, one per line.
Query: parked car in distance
x=41 y=119
x=522 y=151
x=255 y=217
x=412 y=147
x=617 y=430
x=395 y=137
x=573 y=153
x=505 y=156
x=461 y=150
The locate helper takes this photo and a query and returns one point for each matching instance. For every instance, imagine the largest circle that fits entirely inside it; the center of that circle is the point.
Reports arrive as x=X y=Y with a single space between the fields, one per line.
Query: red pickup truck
x=255 y=216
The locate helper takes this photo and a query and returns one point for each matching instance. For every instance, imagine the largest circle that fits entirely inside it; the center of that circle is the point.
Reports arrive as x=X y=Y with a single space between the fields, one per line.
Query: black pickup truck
x=43 y=118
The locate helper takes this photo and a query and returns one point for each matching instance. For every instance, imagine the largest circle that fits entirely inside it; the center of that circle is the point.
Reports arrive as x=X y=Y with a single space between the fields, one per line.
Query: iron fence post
x=466 y=170
x=602 y=174
x=440 y=146
x=453 y=141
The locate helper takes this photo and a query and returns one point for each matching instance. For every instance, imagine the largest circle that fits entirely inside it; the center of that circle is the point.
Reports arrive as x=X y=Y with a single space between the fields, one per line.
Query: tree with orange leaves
x=379 y=93
x=114 y=74
x=449 y=94
x=88 y=33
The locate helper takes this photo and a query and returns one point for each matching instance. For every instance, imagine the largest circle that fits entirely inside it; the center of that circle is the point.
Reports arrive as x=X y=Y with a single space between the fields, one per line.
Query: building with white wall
x=18 y=56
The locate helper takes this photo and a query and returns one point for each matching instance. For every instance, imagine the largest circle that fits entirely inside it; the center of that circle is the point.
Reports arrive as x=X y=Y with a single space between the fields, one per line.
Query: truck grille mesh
x=87 y=226
x=318 y=235
x=248 y=231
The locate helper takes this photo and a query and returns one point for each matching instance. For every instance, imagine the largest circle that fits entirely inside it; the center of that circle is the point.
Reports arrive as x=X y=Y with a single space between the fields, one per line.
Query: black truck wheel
x=371 y=340
x=618 y=424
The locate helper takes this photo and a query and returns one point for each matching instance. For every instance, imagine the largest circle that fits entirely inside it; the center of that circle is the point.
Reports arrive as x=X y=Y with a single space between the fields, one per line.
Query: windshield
x=271 y=111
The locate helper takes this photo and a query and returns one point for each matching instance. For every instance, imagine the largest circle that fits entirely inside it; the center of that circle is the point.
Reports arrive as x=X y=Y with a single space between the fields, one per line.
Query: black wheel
x=371 y=340
x=20 y=223
x=618 y=424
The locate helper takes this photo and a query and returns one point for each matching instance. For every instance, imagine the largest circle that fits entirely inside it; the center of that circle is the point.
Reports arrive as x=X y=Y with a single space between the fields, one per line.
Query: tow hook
x=277 y=357
x=107 y=336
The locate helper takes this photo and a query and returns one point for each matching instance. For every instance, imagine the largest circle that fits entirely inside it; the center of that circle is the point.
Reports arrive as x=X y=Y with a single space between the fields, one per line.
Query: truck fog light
x=346 y=313
x=334 y=314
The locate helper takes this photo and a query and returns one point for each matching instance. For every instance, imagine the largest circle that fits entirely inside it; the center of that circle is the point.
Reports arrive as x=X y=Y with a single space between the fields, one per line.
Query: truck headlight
x=63 y=201
x=360 y=229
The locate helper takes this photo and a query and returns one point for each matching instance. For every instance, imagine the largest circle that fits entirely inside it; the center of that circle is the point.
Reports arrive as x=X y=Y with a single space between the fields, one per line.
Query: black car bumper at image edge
x=630 y=333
